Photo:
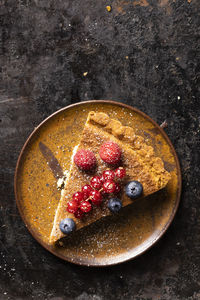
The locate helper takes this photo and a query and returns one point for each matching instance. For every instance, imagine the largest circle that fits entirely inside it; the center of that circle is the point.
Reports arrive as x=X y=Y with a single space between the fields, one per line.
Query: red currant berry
x=85 y=206
x=109 y=186
x=102 y=179
x=72 y=206
x=117 y=188
x=86 y=189
x=120 y=172
x=96 y=182
x=96 y=197
x=78 y=196
x=79 y=214
x=108 y=175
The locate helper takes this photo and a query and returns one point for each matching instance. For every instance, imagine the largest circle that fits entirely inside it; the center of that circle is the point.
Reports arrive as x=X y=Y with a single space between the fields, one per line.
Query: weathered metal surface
x=54 y=53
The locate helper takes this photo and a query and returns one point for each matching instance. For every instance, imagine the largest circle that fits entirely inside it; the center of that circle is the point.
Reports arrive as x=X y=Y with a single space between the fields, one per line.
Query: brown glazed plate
x=114 y=239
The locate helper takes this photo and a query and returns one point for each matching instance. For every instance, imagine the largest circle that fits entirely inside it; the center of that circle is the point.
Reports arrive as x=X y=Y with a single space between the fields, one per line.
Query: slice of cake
x=110 y=167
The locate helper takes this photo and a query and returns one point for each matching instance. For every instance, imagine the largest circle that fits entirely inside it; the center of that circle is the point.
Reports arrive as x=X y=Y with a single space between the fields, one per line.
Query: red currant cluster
x=93 y=194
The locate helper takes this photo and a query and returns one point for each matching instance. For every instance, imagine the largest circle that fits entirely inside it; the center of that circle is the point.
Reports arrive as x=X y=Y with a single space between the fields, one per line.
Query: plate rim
x=161 y=233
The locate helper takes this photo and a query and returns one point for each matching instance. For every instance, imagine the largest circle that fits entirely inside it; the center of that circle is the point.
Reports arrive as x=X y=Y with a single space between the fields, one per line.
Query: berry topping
x=96 y=182
x=117 y=188
x=85 y=206
x=78 y=196
x=95 y=197
x=108 y=175
x=120 y=172
x=86 y=189
x=114 y=204
x=102 y=179
x=79 y=214
x=134 y=189
x=103 y=193
x=72 y=206
x=109 y=186
x=110 y=153
x=67 y=225
x=85 y=159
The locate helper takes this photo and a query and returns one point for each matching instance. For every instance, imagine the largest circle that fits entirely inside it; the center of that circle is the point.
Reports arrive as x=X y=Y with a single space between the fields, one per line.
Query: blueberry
x=114 y=204
x=67 y=225
x=134 y=189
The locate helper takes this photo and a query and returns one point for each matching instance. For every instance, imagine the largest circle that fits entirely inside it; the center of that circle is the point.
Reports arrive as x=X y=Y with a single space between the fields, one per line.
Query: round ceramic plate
x=110 y=240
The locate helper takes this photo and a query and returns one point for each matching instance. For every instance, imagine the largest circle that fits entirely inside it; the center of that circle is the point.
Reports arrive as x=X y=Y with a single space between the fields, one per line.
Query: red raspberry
x=109 y=186
x=96 y=182
x=96 y=197
x=86 y=189
x=110 y=153
x=78 y=196
x=117 y=188
x=85 y=159
x=108 y=175
x=120 y=172
x=85 y=206
x=79 y=214
x=72 y=206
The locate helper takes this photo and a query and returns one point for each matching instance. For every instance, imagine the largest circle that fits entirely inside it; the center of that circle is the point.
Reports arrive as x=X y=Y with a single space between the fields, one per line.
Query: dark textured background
x=145 y=53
